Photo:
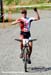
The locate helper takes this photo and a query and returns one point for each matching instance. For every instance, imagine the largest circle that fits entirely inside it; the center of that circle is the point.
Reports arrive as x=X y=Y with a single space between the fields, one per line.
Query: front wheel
x=25 y=60
x=25 y=66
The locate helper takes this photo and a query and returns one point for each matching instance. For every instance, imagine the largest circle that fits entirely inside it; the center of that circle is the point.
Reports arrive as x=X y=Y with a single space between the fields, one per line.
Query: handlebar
x=29 y=40
x=18 y=40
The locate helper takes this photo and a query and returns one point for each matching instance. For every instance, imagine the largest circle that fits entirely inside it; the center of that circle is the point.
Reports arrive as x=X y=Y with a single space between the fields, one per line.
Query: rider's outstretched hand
x=35 y=9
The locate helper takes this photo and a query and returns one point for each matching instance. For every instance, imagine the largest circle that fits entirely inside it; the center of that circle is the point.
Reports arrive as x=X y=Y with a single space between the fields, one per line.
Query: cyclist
x=25 y=24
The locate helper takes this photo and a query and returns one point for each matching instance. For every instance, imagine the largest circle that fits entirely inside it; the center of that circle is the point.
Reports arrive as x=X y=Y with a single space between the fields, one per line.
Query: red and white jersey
x=25 y=23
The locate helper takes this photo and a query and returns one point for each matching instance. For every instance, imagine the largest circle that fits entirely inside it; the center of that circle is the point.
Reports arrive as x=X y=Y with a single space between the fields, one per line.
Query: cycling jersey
x=25 y=23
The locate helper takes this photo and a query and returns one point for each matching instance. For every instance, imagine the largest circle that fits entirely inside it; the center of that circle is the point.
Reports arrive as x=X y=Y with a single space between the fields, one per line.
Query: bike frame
x=25 y=48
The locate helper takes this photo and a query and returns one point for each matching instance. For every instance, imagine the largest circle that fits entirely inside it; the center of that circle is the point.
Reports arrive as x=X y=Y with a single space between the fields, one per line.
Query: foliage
x=7 y=2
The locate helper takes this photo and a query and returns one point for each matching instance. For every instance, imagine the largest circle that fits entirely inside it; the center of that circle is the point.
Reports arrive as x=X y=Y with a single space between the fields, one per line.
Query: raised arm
x=37 y=17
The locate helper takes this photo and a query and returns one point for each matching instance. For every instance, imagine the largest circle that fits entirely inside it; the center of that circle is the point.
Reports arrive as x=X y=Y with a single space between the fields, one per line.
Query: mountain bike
x=26 y=51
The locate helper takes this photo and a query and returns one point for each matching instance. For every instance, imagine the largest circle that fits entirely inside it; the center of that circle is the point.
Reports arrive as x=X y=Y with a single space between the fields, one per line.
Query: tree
x=1 y=10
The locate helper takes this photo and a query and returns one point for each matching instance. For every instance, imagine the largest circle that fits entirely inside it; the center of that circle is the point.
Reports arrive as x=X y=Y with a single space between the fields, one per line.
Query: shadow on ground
x=38 y=69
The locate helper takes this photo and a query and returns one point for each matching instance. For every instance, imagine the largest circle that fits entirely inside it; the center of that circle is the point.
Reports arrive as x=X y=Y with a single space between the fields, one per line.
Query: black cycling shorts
x=25 y=34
